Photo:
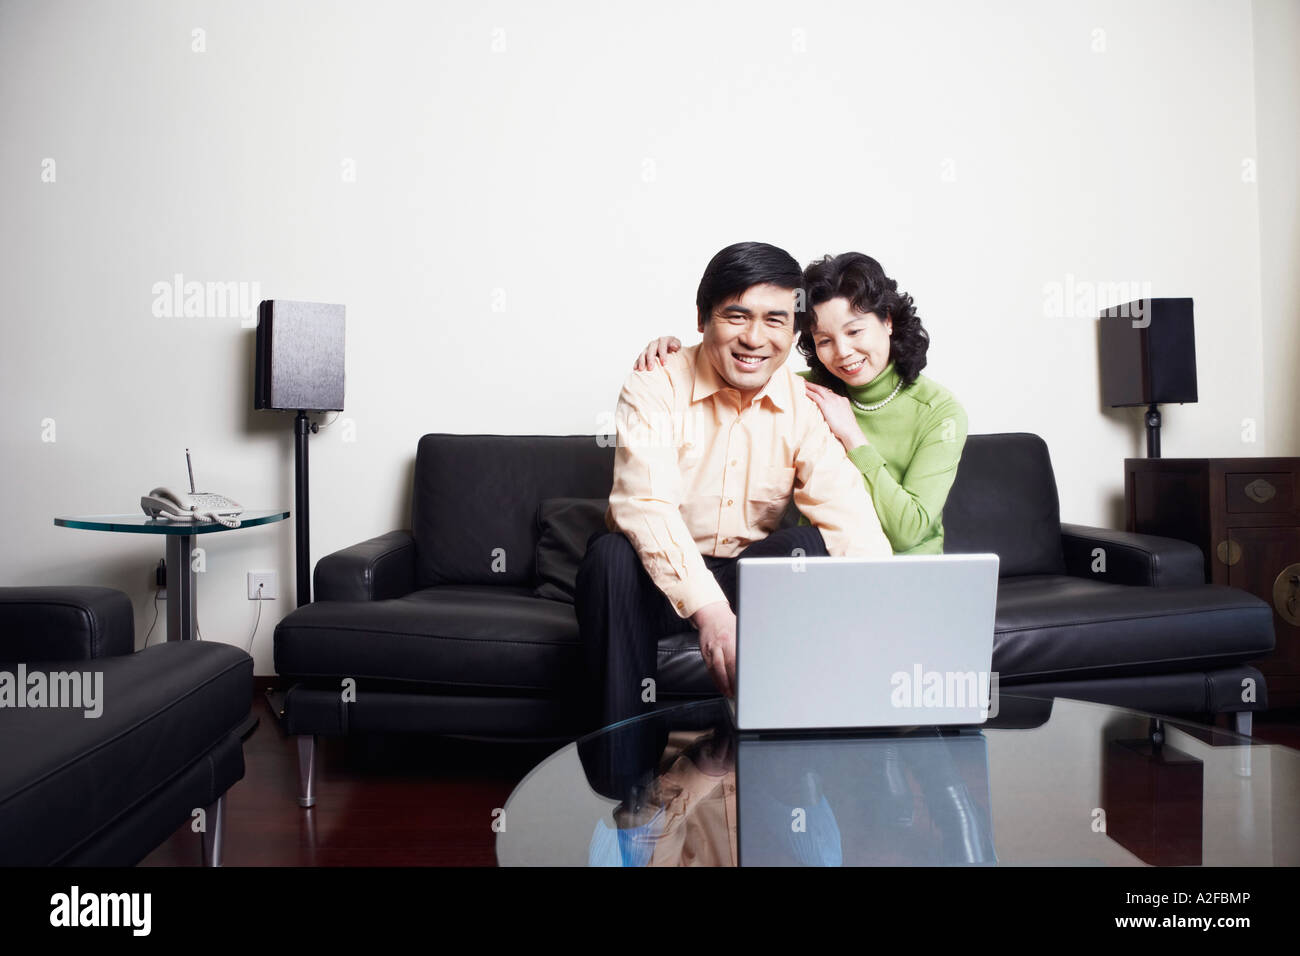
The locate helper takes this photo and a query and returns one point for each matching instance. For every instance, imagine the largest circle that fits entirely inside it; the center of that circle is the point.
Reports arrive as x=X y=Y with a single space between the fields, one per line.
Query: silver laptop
x=829 y=643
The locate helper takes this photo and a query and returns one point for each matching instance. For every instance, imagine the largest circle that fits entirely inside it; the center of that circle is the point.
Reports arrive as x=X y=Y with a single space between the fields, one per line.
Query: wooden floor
x=381 y=801
x=397 y=801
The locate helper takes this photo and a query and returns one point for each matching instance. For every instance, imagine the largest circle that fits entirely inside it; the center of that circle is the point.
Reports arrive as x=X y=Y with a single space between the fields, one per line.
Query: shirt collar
x=778 y=390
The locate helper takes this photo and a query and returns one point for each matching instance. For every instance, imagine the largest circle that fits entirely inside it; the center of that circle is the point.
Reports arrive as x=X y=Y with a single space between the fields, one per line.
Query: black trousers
x=622 y=614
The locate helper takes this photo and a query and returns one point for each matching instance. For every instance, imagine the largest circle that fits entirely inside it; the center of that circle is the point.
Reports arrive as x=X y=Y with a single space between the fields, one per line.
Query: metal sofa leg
x=213 y=834
x=306 y=770
x=1244 y=722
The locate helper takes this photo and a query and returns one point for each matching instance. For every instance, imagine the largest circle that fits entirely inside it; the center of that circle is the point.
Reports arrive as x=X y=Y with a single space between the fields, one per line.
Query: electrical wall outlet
x=266 y=581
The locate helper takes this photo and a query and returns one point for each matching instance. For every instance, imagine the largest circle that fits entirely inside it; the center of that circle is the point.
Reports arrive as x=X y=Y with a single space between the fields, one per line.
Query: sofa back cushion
x=475 y=500
x=565 y=525
x=475 y=494
x=1004 y=500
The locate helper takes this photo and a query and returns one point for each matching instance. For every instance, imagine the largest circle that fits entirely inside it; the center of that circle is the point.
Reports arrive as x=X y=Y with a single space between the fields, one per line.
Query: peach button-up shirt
x=696 y=474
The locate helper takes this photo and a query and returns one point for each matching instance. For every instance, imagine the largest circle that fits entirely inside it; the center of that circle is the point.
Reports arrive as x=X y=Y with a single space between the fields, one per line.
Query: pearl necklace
x=871 y=408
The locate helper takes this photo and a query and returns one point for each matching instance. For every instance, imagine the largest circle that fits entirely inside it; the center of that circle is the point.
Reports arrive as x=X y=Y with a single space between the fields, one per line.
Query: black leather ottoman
x=106 y=790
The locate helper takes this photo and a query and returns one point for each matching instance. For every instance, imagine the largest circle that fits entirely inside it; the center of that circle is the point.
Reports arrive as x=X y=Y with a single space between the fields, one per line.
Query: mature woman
x=865 y=347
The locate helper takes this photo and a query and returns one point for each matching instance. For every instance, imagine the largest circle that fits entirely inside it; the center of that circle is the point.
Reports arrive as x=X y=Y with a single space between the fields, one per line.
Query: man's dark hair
x=745 y=264
x=862 y=280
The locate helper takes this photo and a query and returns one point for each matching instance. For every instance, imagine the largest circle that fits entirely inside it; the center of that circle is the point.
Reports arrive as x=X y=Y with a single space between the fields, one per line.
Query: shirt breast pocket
x=769 y=495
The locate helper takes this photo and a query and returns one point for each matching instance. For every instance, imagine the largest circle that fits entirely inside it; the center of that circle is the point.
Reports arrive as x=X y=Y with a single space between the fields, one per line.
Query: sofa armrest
x=64 y=624
x=374 y=570
x=1134 y=559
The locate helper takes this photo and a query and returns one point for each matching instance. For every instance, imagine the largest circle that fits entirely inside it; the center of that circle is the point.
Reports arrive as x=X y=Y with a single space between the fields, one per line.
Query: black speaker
x=299 y=356
x=1148 y=353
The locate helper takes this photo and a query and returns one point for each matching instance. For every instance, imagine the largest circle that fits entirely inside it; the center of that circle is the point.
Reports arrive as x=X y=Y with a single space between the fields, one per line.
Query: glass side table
x=180 y=545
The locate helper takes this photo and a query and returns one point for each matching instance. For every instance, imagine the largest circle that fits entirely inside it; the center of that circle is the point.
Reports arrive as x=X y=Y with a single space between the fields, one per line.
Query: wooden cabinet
x=1244 y=515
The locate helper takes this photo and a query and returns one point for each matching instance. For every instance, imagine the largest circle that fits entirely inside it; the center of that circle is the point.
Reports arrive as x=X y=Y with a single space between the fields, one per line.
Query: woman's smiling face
x=854 y=346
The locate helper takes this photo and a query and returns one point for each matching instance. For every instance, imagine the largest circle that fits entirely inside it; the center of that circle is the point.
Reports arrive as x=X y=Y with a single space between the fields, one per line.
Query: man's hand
x=657 y=352
x=716 y=623
x=837 y=411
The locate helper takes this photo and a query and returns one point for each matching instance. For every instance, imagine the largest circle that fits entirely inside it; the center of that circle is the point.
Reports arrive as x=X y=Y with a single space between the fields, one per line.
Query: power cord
x=198 y=631
x=249 y=649
x=256 y=623
x=157 y=594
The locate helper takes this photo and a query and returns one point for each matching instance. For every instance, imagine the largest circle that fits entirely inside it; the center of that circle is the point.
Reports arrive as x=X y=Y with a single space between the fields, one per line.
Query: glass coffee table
x=1046 y=782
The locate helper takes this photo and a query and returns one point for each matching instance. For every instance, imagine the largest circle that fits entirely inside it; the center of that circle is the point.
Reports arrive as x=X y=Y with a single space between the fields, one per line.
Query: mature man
x=710 y=447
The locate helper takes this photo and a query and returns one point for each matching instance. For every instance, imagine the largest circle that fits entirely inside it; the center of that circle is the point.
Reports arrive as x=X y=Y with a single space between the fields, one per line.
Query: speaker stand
x=301 y=505
x=1153 y=430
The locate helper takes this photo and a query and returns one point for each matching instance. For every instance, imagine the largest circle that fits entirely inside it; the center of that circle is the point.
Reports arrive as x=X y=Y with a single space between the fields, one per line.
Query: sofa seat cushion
x=66 y=777
x=467 y=636
x=1054 y=626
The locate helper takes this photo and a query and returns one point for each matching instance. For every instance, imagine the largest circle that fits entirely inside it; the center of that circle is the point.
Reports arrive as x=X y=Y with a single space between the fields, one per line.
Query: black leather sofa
x=107 y=790
x=445 y=629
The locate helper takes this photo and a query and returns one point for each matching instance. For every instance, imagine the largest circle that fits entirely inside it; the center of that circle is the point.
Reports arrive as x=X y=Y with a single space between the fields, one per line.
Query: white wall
x=586 y=172
x=1277 y=124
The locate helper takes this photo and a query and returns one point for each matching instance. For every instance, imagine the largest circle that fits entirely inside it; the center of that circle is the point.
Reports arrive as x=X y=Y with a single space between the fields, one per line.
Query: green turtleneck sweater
x=910 y=457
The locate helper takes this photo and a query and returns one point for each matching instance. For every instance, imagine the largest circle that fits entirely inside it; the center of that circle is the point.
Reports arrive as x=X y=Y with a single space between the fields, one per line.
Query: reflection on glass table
x=1044 y=783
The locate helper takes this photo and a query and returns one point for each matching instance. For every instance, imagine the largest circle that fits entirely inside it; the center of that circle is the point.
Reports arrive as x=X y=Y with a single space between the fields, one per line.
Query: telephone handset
x=202 y=506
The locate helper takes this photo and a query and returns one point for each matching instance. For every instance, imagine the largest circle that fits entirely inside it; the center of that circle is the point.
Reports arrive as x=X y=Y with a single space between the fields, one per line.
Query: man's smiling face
x=748 y=337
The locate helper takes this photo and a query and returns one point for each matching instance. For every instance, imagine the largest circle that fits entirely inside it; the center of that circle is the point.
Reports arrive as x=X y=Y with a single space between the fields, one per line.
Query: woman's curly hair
x=861 y=279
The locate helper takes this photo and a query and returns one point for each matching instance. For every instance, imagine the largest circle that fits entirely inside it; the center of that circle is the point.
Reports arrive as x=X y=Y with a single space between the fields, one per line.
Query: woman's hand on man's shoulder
x=656 y=353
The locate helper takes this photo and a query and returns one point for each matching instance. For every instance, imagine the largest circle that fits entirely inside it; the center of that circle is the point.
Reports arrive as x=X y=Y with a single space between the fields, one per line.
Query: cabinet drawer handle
x=1260 y=491
x=1286 y=594
x=1229 y=552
